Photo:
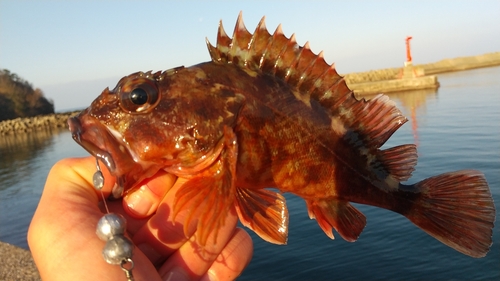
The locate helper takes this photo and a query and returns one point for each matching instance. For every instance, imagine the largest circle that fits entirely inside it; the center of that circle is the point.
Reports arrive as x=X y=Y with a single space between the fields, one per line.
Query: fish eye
x=137 y=97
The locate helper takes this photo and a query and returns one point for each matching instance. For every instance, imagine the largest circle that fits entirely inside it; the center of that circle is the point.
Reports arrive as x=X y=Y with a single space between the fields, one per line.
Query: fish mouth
x=93 y=147
x=94 y=137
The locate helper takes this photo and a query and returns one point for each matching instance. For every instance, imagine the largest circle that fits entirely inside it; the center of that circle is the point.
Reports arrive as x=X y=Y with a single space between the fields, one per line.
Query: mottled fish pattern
x=266 y=112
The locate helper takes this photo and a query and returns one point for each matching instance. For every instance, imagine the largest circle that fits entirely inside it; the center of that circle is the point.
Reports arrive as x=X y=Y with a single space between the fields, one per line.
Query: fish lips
x=94 y=137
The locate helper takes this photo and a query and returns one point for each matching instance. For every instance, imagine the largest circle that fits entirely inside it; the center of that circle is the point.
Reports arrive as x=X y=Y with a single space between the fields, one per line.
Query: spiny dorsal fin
x=278 y=55
x=283 y=58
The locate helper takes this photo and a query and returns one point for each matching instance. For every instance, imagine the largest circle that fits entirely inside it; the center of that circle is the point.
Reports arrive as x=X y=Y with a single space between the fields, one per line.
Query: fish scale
x=280 y=58
x=266 y=112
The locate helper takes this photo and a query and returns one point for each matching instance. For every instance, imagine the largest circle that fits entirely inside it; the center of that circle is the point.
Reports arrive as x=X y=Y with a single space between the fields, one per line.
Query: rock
x=17 y=264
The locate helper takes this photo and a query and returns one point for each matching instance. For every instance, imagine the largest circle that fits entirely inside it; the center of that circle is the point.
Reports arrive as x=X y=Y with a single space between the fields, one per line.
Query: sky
x=72 y=50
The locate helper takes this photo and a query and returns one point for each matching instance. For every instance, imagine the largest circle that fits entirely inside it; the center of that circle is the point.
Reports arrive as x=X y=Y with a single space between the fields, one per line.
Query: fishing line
x=98 y=181
x=111 y=228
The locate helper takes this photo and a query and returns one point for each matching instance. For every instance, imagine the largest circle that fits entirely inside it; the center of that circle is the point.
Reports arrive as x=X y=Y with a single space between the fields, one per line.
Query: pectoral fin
x=264 y=212
x=209 y=196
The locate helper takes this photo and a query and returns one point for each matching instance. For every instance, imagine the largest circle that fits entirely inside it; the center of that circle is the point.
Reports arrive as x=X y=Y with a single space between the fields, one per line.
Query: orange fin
x=399 y=161
x=281 y=57
x=341 y=215
x=374 y=120
x=457 y=209
x=200 y=196
x=264 y=212
x=209 y=196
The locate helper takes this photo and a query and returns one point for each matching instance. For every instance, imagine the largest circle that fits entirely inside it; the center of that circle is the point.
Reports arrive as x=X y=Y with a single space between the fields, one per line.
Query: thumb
x=62 y=235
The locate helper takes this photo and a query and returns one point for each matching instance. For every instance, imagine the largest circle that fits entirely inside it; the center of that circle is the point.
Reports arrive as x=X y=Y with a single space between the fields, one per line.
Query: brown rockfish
x=266 y=112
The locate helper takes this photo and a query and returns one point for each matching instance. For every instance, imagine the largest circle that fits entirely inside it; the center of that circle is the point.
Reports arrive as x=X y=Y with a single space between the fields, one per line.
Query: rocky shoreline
x=36 y=123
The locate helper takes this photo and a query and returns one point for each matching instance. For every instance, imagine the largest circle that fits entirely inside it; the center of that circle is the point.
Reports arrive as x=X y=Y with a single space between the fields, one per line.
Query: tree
x=19 y=99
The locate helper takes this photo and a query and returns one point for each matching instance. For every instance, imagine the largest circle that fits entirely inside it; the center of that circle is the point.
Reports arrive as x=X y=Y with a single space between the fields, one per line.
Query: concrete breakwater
x=395 y=85
x=407 y=78
x=462 y=63
x=414 y=77
x=36 y=123
x=446 y=65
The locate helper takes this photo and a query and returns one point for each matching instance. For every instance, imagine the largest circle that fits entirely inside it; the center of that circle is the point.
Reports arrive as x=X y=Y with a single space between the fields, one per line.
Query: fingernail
x=175 y=274
x=139 y=202
x=209 y=276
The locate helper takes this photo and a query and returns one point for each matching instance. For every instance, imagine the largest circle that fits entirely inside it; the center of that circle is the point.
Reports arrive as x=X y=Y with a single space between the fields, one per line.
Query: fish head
x=152 y=121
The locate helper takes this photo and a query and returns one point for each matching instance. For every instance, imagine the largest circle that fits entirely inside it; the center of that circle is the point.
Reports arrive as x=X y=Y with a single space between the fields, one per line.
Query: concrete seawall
x=389 y=79
x=446 y=65
x=395 y=85
x=462 y=63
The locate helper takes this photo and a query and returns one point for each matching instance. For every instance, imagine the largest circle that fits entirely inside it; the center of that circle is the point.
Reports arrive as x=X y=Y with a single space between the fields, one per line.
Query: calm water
x=457 y=127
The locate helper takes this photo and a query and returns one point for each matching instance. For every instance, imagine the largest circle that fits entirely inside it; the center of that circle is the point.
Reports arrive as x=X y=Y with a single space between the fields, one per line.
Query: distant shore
x=36 y=123
x=361 y=82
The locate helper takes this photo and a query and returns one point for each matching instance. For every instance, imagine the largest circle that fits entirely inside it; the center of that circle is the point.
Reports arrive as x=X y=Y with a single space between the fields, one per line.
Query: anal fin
x=265 y=212
x=341 y=215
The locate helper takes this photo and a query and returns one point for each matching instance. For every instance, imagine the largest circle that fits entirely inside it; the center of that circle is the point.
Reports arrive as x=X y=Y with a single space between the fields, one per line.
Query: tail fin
x=457 y=209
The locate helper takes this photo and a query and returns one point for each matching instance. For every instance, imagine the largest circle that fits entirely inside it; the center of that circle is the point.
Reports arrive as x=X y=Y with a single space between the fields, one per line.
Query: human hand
x=65 y=246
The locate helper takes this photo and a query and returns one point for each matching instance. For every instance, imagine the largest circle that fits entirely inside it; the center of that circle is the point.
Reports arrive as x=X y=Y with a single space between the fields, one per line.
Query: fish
x=266 y=116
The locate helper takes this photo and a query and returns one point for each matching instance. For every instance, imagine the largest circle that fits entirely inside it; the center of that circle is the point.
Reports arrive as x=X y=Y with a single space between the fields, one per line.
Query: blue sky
x=72 y=50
